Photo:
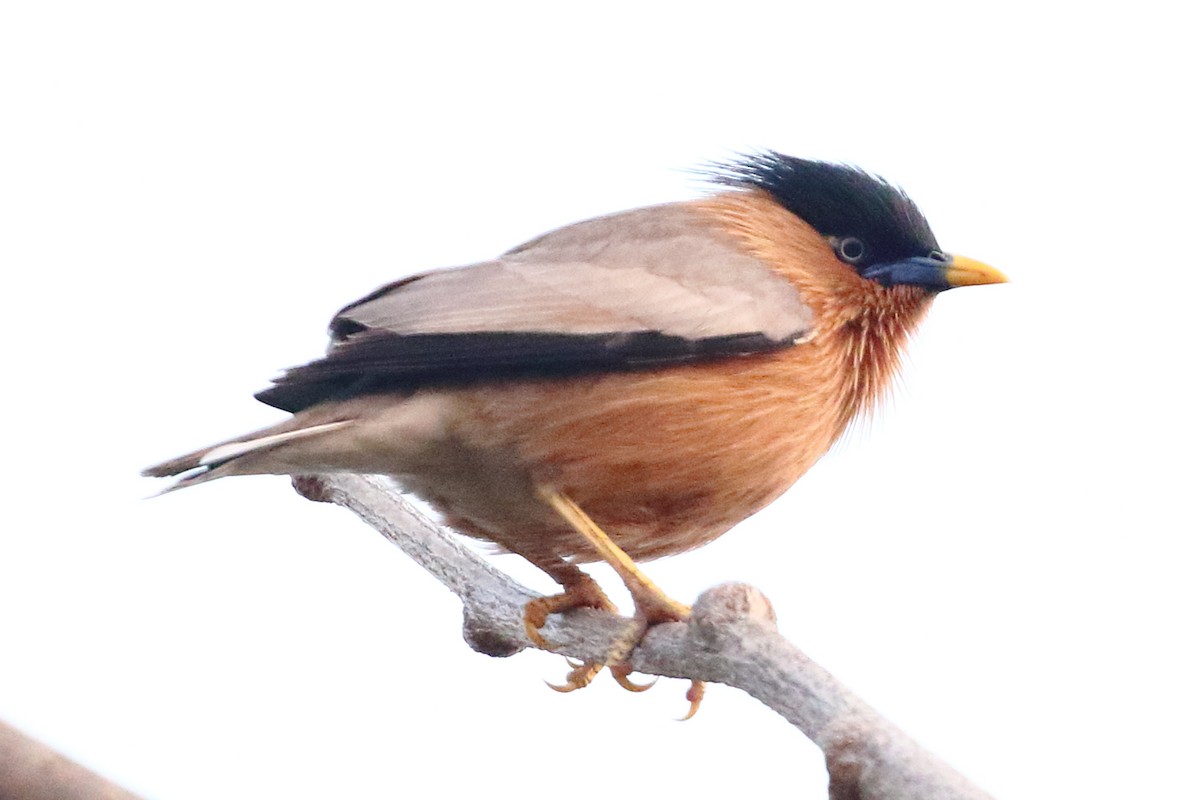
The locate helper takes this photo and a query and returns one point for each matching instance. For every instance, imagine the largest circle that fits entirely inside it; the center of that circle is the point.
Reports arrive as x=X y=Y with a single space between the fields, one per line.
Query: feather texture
x=640 y=289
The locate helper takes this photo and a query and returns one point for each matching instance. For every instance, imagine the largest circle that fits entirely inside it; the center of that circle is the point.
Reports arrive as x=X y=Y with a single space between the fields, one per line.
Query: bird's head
x=871 y=225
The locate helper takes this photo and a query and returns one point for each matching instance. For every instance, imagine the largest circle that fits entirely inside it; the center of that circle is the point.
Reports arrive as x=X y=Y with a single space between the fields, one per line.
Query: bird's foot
x=654 y=608
x=583 y=673
x=584 y=593
x=653 y=605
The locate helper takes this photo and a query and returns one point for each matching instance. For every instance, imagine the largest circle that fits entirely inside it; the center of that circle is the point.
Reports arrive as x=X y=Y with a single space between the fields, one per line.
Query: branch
x=731 y=638
x=30 y=770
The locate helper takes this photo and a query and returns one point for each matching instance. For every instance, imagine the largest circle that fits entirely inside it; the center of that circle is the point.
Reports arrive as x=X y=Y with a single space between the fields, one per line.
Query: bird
x=623 y=388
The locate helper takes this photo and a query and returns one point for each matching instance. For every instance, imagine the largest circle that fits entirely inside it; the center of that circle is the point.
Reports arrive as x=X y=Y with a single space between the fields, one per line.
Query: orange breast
x=665 y=461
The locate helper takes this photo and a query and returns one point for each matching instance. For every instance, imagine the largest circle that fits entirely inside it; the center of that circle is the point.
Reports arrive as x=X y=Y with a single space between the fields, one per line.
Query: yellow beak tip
x=963 y=271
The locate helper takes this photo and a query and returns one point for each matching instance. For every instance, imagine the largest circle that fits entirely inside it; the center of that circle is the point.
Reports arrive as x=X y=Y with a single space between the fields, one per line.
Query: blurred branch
x=731 y=638
x=30 y=770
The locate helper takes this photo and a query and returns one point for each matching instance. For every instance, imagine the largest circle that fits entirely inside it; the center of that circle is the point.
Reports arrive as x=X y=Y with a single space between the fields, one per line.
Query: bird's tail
x=245 y=455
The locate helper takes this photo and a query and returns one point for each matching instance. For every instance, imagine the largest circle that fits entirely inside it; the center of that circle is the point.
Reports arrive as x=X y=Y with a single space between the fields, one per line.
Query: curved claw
x=579 y=676
x=695 y=694
x=564 y=688
x=620 y=673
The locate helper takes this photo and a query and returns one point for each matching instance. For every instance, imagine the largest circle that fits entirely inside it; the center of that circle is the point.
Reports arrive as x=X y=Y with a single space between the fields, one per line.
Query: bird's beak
x=935 y=274
x=963 y=271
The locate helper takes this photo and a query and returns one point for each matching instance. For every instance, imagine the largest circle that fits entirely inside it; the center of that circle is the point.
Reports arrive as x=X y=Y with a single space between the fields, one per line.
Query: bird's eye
x=938 y=255
x=851 y=250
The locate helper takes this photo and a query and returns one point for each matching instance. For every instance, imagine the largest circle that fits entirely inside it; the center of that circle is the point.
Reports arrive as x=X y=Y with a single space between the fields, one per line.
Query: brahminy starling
x=622 y=388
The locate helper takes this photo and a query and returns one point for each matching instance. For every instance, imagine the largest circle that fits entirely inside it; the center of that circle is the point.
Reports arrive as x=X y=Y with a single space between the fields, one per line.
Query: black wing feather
x=374 y=361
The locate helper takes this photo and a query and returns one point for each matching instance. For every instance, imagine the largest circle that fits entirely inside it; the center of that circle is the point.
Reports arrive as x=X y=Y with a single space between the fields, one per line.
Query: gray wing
x=642 y=288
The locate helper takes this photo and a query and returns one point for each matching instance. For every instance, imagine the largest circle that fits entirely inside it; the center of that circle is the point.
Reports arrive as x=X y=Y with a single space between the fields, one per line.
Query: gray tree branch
x=731 y=638
x=30 y=770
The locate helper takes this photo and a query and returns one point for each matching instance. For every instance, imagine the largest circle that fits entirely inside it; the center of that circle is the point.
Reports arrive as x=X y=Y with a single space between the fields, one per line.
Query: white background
x=1003 y=561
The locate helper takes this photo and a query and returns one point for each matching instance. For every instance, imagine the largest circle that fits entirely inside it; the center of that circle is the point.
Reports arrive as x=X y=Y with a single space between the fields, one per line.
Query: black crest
x=838 y=200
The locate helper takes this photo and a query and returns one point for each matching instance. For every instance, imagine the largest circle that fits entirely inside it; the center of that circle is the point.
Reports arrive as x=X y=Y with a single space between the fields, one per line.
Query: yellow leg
x=653 y=605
